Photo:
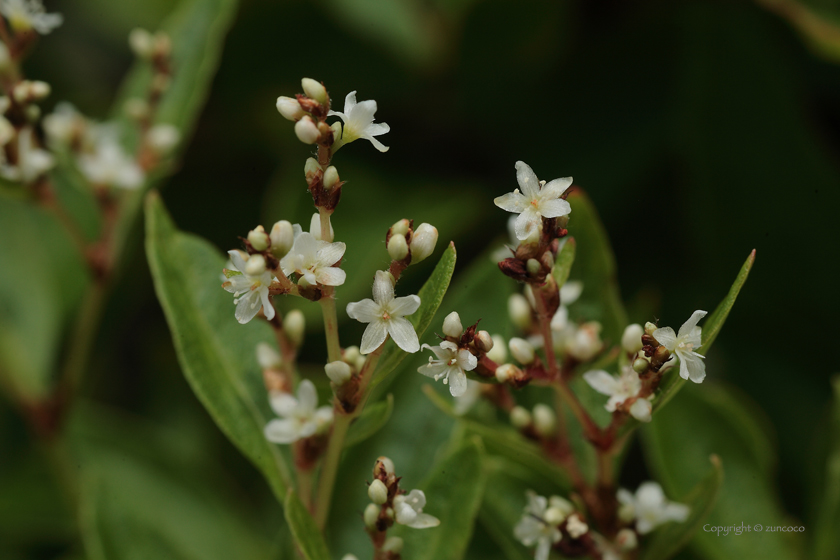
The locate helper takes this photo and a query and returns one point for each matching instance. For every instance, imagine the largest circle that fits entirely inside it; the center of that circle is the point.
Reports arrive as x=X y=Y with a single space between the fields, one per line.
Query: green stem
x=330 y=324
x=81 y=341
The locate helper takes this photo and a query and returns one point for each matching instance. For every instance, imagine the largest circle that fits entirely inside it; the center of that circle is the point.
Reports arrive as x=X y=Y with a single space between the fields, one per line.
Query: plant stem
x=327 y=302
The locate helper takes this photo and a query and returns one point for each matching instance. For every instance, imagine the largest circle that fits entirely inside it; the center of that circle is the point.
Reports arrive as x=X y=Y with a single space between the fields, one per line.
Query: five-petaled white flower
x=386 y=315
x=249 y=286
x=535 y=202
x=358 y=122
x=619 y=389
x=649 y=507
x=300 y=416
x=408 y=509
x=450 y=366
x=32 y=161
x=533 y=529
x=313 y=259
x=109 y=165
x=683 y=345
x=24 y=15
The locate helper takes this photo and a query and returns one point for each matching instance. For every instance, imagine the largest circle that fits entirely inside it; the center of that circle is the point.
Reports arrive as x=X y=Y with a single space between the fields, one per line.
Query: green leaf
x=563 y=263
x=671 y=537
x=714 y=419
x=431 y=296
x=304 y=530
x=818 y=23
x=371 y=421
x=453 y=491
x=215 y=352
x=826 y=541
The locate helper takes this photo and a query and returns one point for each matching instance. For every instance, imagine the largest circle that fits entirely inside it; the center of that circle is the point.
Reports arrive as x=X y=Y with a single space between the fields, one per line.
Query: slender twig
x=327 y=302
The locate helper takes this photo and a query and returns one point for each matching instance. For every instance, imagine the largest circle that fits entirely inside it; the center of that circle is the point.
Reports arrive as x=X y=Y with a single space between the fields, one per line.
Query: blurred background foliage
x=700 y=130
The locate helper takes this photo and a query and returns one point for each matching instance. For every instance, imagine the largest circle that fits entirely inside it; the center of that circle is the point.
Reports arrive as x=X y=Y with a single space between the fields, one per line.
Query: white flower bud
x=423 y=242
x=163 y=137
x=28 y=91
x=294 y=325
x=626 y=539
x=7 y=131
x=255 y=265
x=349 y=557
x=520 y=417
x=338 y=372
x=311 y=168
x=452 y=325
x=314 y=90
x=544 y=420
x=506 y=372
x=371 y=515
x=315 y=227
x=650 y=328
x=330 y=177
x=585 y=343
x=397 y=247
x=519 y=311
x=5 y=103
x=640 y=365
x=268 y=357
x=562 y=504
x=282 y=238
x=387 y=464
x=307 y=131
x=360 y=362
x=554 y=516
x=631 y=340
x=521 y=350
x=394 y=545
x=576 y=527
x=141 y=42
x=351 y=354
x=378 y=492
x=499 y=351
x=483 y=341
x=137 y=108
x=400 y=228
x=533 y=266
x=258 y=238
x=290 y=108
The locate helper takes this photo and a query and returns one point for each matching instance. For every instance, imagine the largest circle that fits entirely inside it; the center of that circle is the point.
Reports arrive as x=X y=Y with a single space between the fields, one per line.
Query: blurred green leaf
x=713 y=419
x=563 y=263
x=216 y=353
x=670 y=538
x=304 y=530
x=826 y=541
x=817 y=22
x=453 y=490
x=431 y=296
x=371 y=421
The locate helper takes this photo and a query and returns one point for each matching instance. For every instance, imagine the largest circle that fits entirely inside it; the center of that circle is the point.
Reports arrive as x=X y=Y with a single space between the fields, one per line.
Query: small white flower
x=409 y=511
x=650 y=507
x=619 y=389
x=584 y=342
x=569 y=293
x=535 y=202
x=63 y=123
x=451 y=365
x=32 y=160
x=108 y=164
x=532 y=528
x=250 y=291
x=300 y=416
x=576 y=526
x=683 y=345
x=358 y=122
x=24 y=15
x=163 y=137
x=313 y=259
x=386 y=315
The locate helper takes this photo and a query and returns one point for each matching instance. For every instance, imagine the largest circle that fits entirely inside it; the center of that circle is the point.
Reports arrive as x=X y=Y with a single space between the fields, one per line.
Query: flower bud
x=371 y=515
x=258 y=238
x=307 y=131
x=520 y=417
x=397 y=247
x=423 y=242
x=360 y=362
x=519 y=311
x=255 y=265
x=351 y=354
x=330 y=177
x=163 y=138
x=137 y=108
x=268 y=357
x=640 y=365
x=483 y=341
x=339 y=373
x=294 y=325
x=533 y=267
x=282 y=238
x=561 y=504
x=631 y=340
x=349 y=557
x=626 y=539
x=521 y=350
x=384 y=464
x=506 y=372
x=378 y=492
x=585 y=343
x=452 y=325
x=650 y=328
x=400 y=228
x=544 y=420
x=576 y=527
x=394 y=545
x=29 y=91
x=7 y=131
x=141 y=42
x=290 y=108
x=499 y=351
x=314 y=90
x=311 y=168
x=554 y=516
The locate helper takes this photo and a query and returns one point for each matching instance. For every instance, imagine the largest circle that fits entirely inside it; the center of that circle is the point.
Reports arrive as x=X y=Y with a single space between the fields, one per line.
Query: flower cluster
x=300 y=417
x=547 y=523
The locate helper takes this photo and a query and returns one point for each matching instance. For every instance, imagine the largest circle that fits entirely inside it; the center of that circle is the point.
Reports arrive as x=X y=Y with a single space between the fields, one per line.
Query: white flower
x=386 y=315
x=535 y=202
x=532 y=528
x=108 y=164
x=358 y=122
x=409 y=511
x=650 y=507
x=32 y=160
x=250 y=291
x=24 y=15
x=569 y=293
x=619 y=389
x=683 y=345
x=63 y=123
x=163 y=137
x=584 y=342
x=300 y=417
x=313 y=259
x=450 y=366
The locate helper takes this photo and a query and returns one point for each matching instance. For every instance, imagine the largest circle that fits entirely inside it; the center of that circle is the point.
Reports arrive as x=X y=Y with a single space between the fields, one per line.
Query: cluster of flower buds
x=309 y=111
x=540 y=423
x=345 y=377
x=390 y=504
x=407 y=245
x=554 y=523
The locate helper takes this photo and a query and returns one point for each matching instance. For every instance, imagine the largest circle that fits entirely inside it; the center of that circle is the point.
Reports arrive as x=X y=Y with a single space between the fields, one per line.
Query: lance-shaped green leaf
x=826 y=541
x=453 y=492
x=667 y=540
x=216 y=353
x=564 y=261
x=308 y=538
x=371 y=421
x=431 y=295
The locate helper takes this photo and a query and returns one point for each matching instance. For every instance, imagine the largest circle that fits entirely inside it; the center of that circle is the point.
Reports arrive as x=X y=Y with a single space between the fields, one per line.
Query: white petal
x=330 y=276
x=402 y=331
x=561 y=317
x=666 y=337
x=281 y=431
x=307 y=398
x=403 y=306
x=529 y=221
x=512 y=202
x=527 y=180
x=650 y=495
x=268 y=309
x=373 y=336
x=247 y=308
x=528 y=530
x=692 y=366
x=432 y=369
x=383 y=287
x=349 y=102
x=307 y=429
x=555 y=208
x=676 y=512
x=644 y=526
x=364 y=311
x=641 y=410
x=602 y=382
x=330 y=253
x=376 y=143
x=283 y=404
x=457 y=382
x=543 y=549
x=377 y=129
x=570 y=292
x=553 y=189
x=625 y=497
x=237 y=260
x=423 y=521
x=361 y=116
x=689 y=325
x=466 y=360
